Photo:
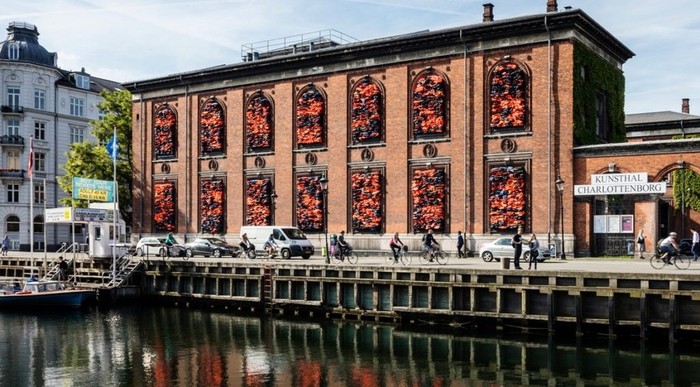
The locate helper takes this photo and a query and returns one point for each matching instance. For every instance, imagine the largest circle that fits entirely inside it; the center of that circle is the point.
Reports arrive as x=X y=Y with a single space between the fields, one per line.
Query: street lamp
x=560 y=187
x=324 y=190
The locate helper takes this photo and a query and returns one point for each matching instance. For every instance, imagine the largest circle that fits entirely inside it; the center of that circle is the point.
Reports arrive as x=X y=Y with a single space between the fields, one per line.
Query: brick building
x=464 y=129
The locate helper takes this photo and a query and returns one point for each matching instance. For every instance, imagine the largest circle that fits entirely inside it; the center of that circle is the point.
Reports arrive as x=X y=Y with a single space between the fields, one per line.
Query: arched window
x=212 y=127
x=39 y=224
x=259 y=123
x=13 y=51
x=310 y=118
x=508 y=96
x=165 y=133
x=430 y=104
x=12 y=223
x=164 y=206
x=367 y=111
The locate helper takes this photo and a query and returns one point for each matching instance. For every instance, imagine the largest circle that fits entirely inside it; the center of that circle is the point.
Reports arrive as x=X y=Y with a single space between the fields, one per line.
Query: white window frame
x=12 y=158
x=77 y=134
x=13 y=51
x=77 y=107
x=13 y=193
x=40 y=99
x=39 y=162
x=40 y=130
x=39 y=194
x=13 y=127
x=13 y=96
x=82 y=81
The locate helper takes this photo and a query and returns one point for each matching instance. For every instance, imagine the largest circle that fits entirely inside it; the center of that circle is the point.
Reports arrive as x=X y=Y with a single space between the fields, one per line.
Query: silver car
x=151 y=246
x=502 y=248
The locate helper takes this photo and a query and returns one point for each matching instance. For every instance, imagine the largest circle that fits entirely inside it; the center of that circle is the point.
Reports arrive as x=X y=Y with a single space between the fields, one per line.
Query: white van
x=291 y=241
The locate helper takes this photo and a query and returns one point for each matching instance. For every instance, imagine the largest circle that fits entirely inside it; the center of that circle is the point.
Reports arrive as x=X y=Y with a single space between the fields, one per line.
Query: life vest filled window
x=258 y=201
x=430 y=104
x=508 y=96
x=212 y=127
x=164 y=206
x=310 y=204
x=367 y=111
x=310 y=118
x=212 y=202
x=429 y=199
x=507 y=198
x=259 y=123
x=367 y=201
x=165 y=133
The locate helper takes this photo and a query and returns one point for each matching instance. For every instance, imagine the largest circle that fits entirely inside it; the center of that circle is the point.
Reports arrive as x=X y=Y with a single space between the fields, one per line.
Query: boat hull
x=74 y=298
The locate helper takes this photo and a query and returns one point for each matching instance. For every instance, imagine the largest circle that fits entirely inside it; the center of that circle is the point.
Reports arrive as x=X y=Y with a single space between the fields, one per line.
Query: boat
x=44 y=294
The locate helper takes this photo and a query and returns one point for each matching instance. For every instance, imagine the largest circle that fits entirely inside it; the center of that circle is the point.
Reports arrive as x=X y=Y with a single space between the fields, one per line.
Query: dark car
x=210 y=246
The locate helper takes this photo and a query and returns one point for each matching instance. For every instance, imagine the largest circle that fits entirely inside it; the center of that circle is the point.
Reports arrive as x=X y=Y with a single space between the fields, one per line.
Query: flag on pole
x=30 y=168
x=113 y=147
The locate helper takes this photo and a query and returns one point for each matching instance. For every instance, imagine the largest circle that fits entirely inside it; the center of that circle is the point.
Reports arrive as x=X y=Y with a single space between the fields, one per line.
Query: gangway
x=127 y=264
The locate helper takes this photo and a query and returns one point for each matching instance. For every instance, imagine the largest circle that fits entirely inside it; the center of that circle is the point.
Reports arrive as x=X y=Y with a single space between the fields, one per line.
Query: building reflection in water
x=168 y=346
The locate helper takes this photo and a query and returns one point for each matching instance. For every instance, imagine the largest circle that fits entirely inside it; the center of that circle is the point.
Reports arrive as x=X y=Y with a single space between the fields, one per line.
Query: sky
x=133 y=40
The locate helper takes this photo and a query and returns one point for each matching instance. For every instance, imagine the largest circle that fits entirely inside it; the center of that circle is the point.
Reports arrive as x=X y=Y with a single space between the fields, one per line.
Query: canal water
x=162 y=346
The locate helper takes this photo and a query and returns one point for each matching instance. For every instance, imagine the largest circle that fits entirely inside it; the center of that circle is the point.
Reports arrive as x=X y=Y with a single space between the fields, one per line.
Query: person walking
x=5 y=245
x=62 y=269
x=640 y=243
x=695 y=248
x=534 y=246
x=518 y=246
x=460 y=244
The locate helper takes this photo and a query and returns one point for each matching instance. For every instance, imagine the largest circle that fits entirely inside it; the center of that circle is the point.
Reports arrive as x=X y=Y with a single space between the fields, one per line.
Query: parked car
x=502 y=248
x=151 y=246
x=156 y=246
x=208 y=246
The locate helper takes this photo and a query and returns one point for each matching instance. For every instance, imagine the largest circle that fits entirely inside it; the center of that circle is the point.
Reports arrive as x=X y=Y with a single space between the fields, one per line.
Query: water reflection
x=139 y=346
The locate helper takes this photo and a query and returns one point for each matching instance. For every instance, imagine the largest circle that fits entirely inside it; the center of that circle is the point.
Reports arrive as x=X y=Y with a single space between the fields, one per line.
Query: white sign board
x=67 y=215
x=620 y=184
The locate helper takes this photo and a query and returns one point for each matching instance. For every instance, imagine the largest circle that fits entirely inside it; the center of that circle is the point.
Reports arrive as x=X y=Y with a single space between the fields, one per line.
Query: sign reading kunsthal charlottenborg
x=620 y=184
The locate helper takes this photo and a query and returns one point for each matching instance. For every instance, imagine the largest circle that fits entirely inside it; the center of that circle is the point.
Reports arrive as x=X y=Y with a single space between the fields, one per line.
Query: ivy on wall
x=593 y=75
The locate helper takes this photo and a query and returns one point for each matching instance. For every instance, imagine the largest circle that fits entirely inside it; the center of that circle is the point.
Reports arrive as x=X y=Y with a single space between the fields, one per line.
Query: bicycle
x=402 y=256
x=346 y=253
x=681 y=262
x=272 y=251
x=433 y=254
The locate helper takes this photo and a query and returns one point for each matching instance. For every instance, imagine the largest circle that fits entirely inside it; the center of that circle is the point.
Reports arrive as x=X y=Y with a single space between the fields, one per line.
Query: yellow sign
x=92 y=194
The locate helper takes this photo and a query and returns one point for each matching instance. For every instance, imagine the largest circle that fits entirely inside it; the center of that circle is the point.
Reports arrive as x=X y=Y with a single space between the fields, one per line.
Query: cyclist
x=245 y=243
x=270 y=246
x=669 y=247
x=342 y=245
x=429 y=243
x=396 y=246
x=169 y=243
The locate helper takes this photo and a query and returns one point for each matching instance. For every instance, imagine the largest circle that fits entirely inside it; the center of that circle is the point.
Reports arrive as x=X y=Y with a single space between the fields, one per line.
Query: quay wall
x=615 y=303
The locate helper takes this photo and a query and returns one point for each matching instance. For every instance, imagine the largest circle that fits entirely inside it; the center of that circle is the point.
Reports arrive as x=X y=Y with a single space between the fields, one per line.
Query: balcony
x=12 y=140
x=11 y=174
x=13 y=110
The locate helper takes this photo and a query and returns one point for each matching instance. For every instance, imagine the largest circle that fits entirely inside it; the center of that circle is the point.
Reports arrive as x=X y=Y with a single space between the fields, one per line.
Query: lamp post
x=560 y=187
x=273 y=201
x=324 y=190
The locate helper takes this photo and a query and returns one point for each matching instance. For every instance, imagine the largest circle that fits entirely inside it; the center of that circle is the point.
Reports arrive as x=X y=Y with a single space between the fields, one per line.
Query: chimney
x=488 y=12
x=685 y=106
x=552 y=6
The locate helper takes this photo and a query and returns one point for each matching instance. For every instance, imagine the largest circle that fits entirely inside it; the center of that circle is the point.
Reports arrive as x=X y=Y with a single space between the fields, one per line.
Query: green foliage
x=91 y=161
x=686 y=189
x=600 y=77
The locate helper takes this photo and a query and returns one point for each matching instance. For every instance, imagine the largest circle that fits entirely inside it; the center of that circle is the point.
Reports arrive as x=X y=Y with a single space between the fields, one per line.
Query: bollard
x=323 y=251
x=505 y=263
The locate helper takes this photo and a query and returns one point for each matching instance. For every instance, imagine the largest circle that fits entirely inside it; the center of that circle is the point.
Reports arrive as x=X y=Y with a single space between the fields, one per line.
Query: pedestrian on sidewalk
x=534 y=246
x=695 y=248
x=640 y=243
x=460 y=244
x=518 y=246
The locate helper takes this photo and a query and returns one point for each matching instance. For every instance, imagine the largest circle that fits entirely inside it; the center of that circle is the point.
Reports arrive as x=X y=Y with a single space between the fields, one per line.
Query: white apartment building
x=55 y=106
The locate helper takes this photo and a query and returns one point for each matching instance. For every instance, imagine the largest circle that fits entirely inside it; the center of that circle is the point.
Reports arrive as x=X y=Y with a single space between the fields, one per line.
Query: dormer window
x=82 y=81
x=13 y=51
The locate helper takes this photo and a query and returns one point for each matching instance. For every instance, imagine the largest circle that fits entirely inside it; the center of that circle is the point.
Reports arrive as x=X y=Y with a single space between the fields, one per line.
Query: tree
x=91 y=161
